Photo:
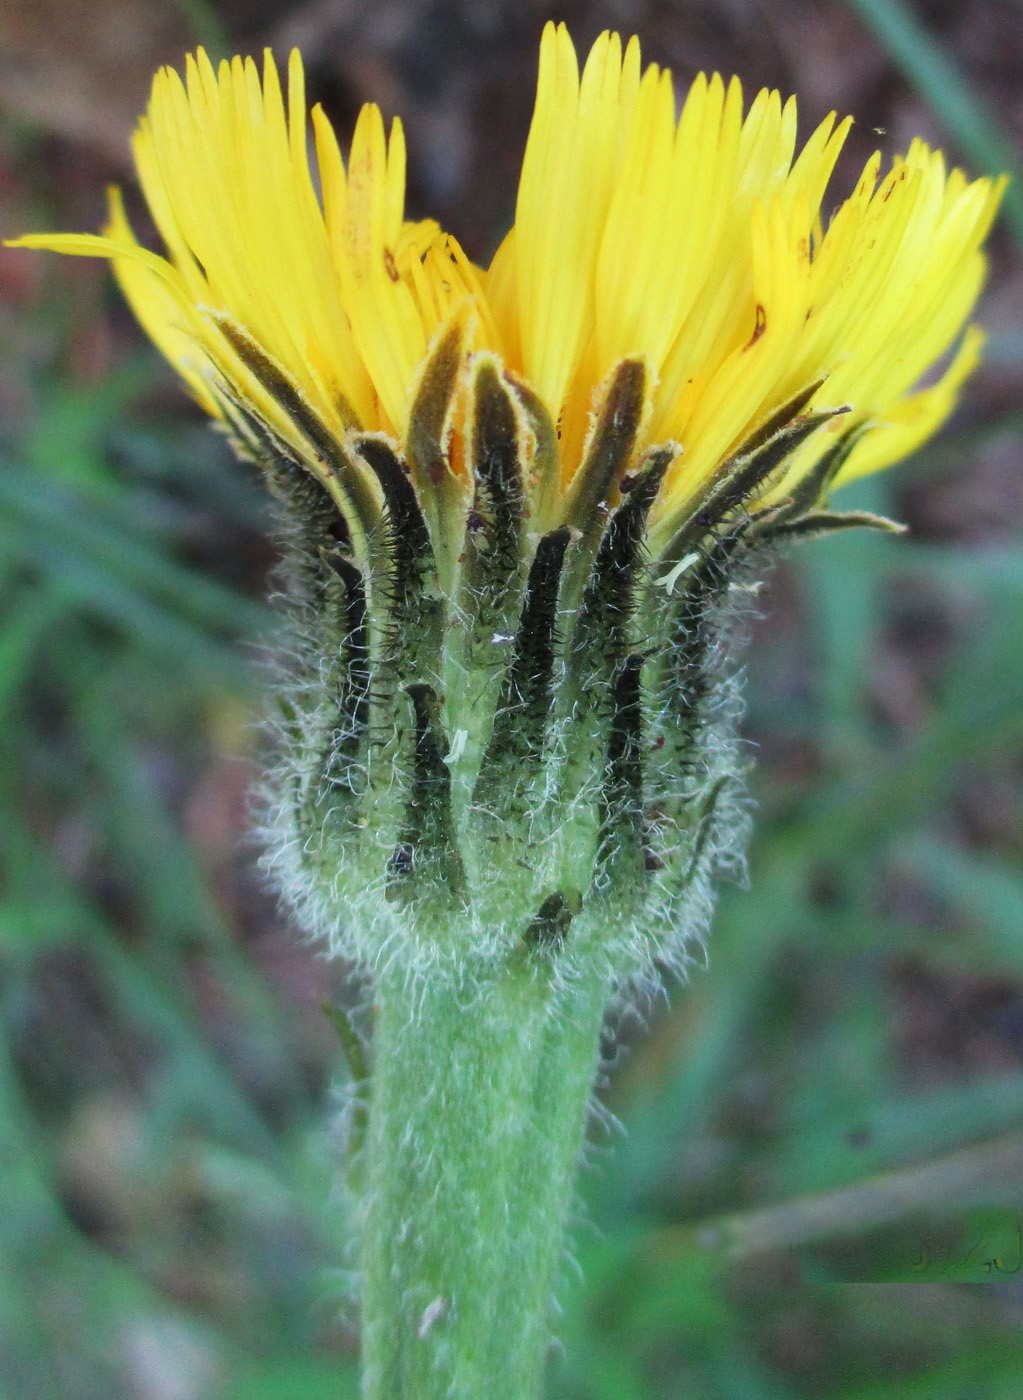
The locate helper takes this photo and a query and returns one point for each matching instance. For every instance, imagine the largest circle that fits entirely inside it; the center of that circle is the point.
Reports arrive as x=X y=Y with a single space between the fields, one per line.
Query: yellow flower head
x=693 y=245
x=508 y=702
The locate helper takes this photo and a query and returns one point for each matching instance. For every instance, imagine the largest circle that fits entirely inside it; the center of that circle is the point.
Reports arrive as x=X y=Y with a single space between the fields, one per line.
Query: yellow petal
x=566 y=185
x=915 y=418
x=699 y=245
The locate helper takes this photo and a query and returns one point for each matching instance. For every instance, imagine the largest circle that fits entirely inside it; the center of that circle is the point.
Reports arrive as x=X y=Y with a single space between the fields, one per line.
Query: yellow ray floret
x=695 y=243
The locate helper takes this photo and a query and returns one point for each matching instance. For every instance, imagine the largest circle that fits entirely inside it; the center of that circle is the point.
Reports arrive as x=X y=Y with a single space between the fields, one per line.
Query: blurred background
x=836 y=1100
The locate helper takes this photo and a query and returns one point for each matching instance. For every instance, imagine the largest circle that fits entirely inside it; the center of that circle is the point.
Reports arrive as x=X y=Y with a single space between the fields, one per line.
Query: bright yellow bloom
x=695 y=244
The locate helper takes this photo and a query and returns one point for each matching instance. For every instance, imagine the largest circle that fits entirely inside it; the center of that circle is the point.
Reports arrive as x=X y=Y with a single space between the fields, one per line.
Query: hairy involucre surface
x=539 y=764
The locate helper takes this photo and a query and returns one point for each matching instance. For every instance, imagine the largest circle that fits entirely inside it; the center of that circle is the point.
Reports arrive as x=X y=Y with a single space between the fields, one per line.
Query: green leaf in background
x=955 y=102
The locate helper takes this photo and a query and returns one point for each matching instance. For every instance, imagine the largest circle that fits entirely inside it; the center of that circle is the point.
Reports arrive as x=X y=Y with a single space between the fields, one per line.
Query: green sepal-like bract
x=513 y=711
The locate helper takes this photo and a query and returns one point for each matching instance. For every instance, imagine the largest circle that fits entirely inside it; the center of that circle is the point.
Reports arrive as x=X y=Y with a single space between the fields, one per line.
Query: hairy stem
x=478 y=1110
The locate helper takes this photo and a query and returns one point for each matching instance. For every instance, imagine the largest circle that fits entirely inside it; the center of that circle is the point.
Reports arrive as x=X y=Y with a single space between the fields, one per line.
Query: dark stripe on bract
x=826 y=522
x=622 y=843
x=500 y=496
x=310 y=506
x=600 y=639
x=407 y=610
x=704 y=586
x=279 y=384
x=409 y=544
x=424 y=440
x=442 y=494
x=704 y=828
x=815 y=485
x=781 y=417
x=491 y=583
x=610 y=447
x=520 y=724
x=426 y=859
x=739 y=478
x=326 y=596
x=281 y=387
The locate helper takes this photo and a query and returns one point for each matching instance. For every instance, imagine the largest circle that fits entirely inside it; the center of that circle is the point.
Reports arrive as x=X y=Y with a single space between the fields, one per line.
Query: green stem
x=477 y=1116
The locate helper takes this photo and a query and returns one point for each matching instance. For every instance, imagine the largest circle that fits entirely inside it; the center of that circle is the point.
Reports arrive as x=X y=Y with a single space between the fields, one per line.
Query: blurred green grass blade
x=596 y=1367
x=65 y=441
x=149 y=847
x=954 y=101
x=194 y=464
x=842 y=581
x=40 y=908
x=836 y=1145
x=982 y=714
x=812 y=1146
x=180 y=913
x=905 y=1128
x=994 y=571
x=986 y=1174
x=207 y=27
x=983 y=691
x=32 y=613
x=650 y=1314
x=31 y=1210
x=195 y=1084
x=70 y=521
x=667 y=1112
x=603 y=1349
x=297 y=1377
x=156 y=629
x=988 y=1369
x=57 y=1291
x=986 y=889
x=32 y=1228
